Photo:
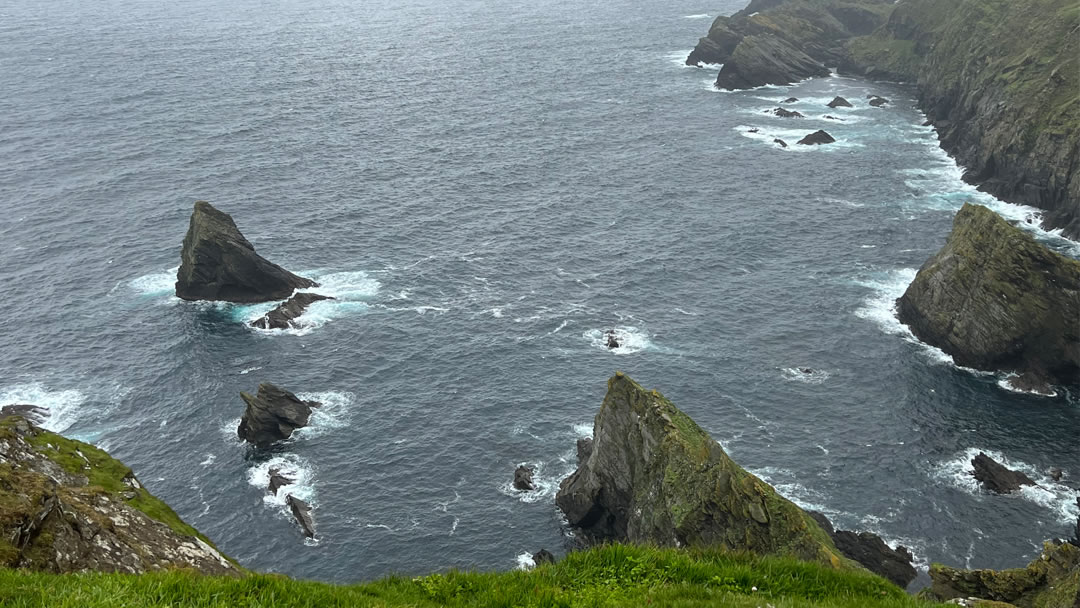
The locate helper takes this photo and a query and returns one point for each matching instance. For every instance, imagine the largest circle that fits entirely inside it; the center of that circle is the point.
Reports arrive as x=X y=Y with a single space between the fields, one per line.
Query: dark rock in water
x=277 y=481
x=33 y=413
x=584 y=449
x=523 y=479
x=218 y=263
x=817 y=138
x=928 y=123
x=806 y=370
x=753 y=130
x=783 y=144
x=840 y=102
x=833 y=118
x=996 y=477
x=543 y=556
x=272 y=415
x=762 y=59
x=782 y=113
x=1055 y=474
x=282 y=316
x=654 y=476
x=1076 y=534
x=790 y=100
x=302 y=512
x=995 y=299
x=612 y=340
x=871 y=552
x=877 y=102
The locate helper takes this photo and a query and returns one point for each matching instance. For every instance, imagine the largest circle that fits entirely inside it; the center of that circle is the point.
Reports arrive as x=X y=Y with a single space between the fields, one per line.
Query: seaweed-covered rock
x=870 y=551
x=283 y=316
x=218 y=263
x=654 y=476
x=995 y=299
x=996 y=477
x=272 y=414
x=816 y=138
x=67 y=506
x=763 y=59
x=839 y=102
x=1050 y=581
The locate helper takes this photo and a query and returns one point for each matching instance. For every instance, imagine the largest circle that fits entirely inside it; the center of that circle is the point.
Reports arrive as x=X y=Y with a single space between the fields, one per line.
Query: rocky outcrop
x=33 y=413
x=612 y=340
x=272 y=414
x=817 y=138
x=1052 y=580
x=302 y=512
x=871 y=552
x=66 y=506
x=283 y=316
x=782 y=113
x=584 y=449
x=654 y=476
x=523 y=479
x=839 y=102
x=218 y=263
x=278 y=481
x=995 y=299
x=877 y=102
x=780 y=142
x=996 y=477
x=543 y=556
x=764 y=59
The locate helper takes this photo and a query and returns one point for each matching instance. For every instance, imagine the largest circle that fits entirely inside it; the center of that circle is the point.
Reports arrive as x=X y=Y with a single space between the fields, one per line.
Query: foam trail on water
x=160 y=284
x=63 y=406
x=698 y=16
x=631 y=339
x=335 y=412
x=805 y=374
x=350 y=290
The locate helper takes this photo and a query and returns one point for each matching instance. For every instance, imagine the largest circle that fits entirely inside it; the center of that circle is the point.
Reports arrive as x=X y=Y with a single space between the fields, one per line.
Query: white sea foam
x=335 y=412
x=524 y=561
x=248 y=370
x=791 y=137
x=698 y=16
x=631 y=339
x=160 y=284
x=805 y=374
x=1055 y=497
x=583 y=430
x=63 y=406
x=292 y=466
x=546 y=478
x=1007 y=384
x=350 y=290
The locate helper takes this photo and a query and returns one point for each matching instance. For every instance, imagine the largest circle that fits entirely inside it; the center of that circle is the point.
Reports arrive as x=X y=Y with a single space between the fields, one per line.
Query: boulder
x=996 y=477
x=762 y=59
x=1051 y=580
x=817 y=138
x=877 y=102
x=282 y=317
x=278 y=481
x=790 y=100
x=782 y=113
x=870 y=551
x=753 y=130
x=654 y=476
x=272 y=415
x=584 y=449
x=840 y=102
x=218 y=263
x=780 y=142
x=523 y=479
x=995 y=299
x=543 y=556
x=302 y=512
x=612 y=340
x=1056 y=473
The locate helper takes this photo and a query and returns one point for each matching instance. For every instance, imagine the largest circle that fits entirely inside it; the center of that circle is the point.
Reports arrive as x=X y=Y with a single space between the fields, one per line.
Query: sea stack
x=272 y=415
x=654 y=476
x=218 y=263
x=995 y=299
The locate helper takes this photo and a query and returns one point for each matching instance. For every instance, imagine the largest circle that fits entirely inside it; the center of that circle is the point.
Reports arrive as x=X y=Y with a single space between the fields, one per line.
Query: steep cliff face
x=654 y=476
x=1000 y=79
x=995 y=299
x=66 y=506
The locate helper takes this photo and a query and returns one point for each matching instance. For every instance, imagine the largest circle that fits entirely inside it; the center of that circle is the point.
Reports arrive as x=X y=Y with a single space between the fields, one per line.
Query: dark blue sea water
x=486 y=187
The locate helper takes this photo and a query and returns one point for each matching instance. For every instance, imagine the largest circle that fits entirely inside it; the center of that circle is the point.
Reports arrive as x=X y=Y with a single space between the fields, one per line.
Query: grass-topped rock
x=654 y=476
x=66 y=506
x=995 y=299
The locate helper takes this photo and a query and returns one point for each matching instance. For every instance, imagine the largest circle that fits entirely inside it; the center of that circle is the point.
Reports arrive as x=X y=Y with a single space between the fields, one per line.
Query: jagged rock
x=654 y=476
x=833 y=118
x=218 y=263
x=782 y=143
x=272 y=415
x=543 y=556
x=1052 y=579
x=995 y=299
x=762 y=59
x=996 y=477
x=612 y=340
x=817 y=138
x=302 y=512
x=278 y=481
x=584 y=449
x=283 y=316
x=839 y=102
x=790 y=100
x=871 y=552
x=70 y=507
x=753 y=130
x=782 y=113
x=717 y=46
x=523 y=479
x=877 y=102
x=1055 y=473
x=33 y=413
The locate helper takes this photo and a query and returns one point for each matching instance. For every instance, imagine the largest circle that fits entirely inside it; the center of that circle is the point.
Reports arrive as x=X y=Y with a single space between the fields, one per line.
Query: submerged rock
x=67 y=506
x=1051 y=580
x=282 y=317
x=790 y=100
x=523 y=479
x=839 y=102
x=272 y=415
x=780 y=142
x=654 y=476
x=817 y=138
x=870 y=551
x=302 y=512
x=782 y=113
x=996 y=477
x=834 y=118
x=877 y=102
x=995 y=299
x=218 y=263
x=543 y=556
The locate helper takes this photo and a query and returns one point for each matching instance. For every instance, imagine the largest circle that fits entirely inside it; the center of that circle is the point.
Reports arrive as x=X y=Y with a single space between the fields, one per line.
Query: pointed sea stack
x=995 y=299
x=654 y=476
x=218 y=263
x=272 y=415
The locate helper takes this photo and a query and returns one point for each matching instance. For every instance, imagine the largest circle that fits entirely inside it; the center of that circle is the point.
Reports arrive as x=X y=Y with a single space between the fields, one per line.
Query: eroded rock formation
x=272 y=414
x=996 y=477
x=817 y=138
x=871 y=552
x=1051 y=580
x=283 y=316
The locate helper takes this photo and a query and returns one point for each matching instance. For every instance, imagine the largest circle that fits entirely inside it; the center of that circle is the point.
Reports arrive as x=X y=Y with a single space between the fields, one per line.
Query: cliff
x=995 y=299
x=1050 y=581
x=66 y=506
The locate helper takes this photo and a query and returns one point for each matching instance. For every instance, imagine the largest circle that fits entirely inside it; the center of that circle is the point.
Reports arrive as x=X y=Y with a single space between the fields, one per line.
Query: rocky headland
x=995 y=299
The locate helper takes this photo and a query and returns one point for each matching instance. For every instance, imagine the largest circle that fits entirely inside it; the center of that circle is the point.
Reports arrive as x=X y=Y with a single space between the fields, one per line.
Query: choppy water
x=487 y=188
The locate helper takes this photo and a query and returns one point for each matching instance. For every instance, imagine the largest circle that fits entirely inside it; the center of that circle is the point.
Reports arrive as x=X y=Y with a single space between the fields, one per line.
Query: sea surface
x=486 y=188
